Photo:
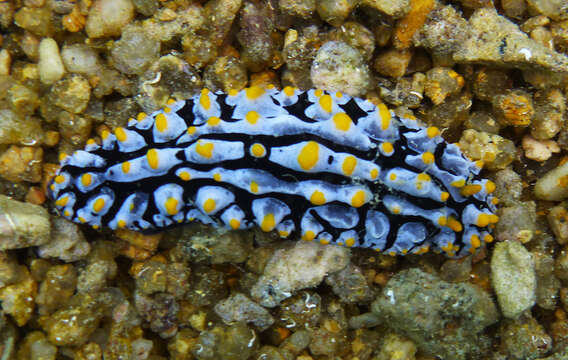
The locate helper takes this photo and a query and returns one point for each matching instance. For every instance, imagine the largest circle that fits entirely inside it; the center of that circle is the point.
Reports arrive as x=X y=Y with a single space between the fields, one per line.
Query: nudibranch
x=322 y=165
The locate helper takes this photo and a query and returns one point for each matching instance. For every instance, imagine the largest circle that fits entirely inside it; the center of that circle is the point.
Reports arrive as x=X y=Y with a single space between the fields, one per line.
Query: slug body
x=326 y=166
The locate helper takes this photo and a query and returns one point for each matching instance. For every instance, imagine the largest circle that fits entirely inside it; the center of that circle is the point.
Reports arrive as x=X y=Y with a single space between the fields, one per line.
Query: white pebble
x=539 y=150
x=50 y=65
x=108 y=17
x=553 y=185
x=5 y=61
x=81 y=59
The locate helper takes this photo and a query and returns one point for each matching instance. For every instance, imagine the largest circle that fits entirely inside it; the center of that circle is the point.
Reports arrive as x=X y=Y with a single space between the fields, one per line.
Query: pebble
x=255 y=36
x=350 y=285
x=513 y=277
x=234 y=341
x=303 y=265
x=135 y=51
x=508 y=186
x=238 y=307
x=160 y=311
x=539 y=150
x=226 y=73
x=524 y=339
x=57 y=288
x=5 y=62
x=71 y=93
x=18 y=299
x=548 y=285
x=498 y=41
x=397 y=347
x=36 y=20
x=22 y=163
x=554 y=9
x=301 y=311
x=36 y=346
x=355 y=35
x=23 y=225
x=108 y=18
x=80 y=59
x=558 y=221
x=488 y=83
x=514 y=108
x=553 y=185
x=442 y=319
x=405 y=91
x=442 y=82
x=393 y=62
x=67 y=242
x=300 y=8
x=50 y=65
x=495 y=151
x=339 y=67
x=393 y=8
x=550 y=109
x=482 y=121
x=335 y=12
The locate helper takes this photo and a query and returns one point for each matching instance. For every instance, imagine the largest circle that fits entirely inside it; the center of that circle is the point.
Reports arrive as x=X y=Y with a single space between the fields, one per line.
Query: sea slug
x=326 y=166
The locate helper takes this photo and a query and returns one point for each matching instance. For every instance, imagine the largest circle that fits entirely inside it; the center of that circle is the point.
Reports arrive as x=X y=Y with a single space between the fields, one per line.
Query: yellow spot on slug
x=81 y=219
x=213 y=121
x=254 y=187
x=489 y=186
x=268 y=222
x=209 y=205
x=309 y=155
x=67 y=213
x=342 y=121
x=458 y=183
x=204 y=99
x=120 y=134
x=392 y=176
x=454 y=224
x=385 y=115
x=318 y=92
x=62 y=201
x=349 y=242
x=444 y=196
x=475 y=241
x=469 y=190
x=308 y=236
x=204 y=149
x=480 y=164
x=374 y=173
x=62 y=156
x=153 y=158
x=283 y=233
x=184 y=175
x=428 y=158
x=171 y=206
x=121 y=224
x=59 y=179
x=258 y=150
x=86 y=179
x=91 y=141
x=424 y=177
x=254 y=92
x=488 y=238
x=252 y=117
x=98 y=205
x=349 y=164
x=442 y=221
x=288 y=91
x=326 y=103
x=171 y=101
x=432 y=132
x=105 y=134
x=234 y=223
x=161 y=122
x=125 y=167
x=358 y=199
x=233 y=92
x=324 y=241
x=387 y=147
x=317 y=198
x=141 y=116
x=217 y=177
x=167 y=110
x=191 y=130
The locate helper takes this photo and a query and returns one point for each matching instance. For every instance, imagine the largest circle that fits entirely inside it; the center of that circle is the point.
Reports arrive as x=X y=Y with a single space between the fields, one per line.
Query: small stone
x=357 y=36
x=553 y=185
x=302 y=266
x=36 y=346
x=50 y=65
x=335 y=12
x=514 y=8
x=73 y=128
x=405 y=91
x=561 y=265
x=441 y=83
x=392 y=62
x=393 y=8
x=497 y=41
x=488 y=83
x=339 y=67
x=226 y=73
x=350 y=285
x=23 y=225
x=236 y=342
x=135 y=51
x=514 y=108
x=80 y=59
x=57 y=287
x=301 y=311
x=21 y=164
x=67 y=242
x=255 y=36
x=327 y=343
x=554 y=9
x=513 y=278
x=442 y=319
x=558 y=221
x=411 y=23
x=396 y=347
x=18 y=299
x=146 y=7
x=238 y=307
x=300 y=8
x=517 y=222
x=5 y=62
x=548 y=284
x=524 y=339
x=495 y=151
x=539 y=150
x=35 y=20
x=482 y=121
x=548 y=119
x=508 y=186
x=72 y=93
x=108 y=17
x=6 y=13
